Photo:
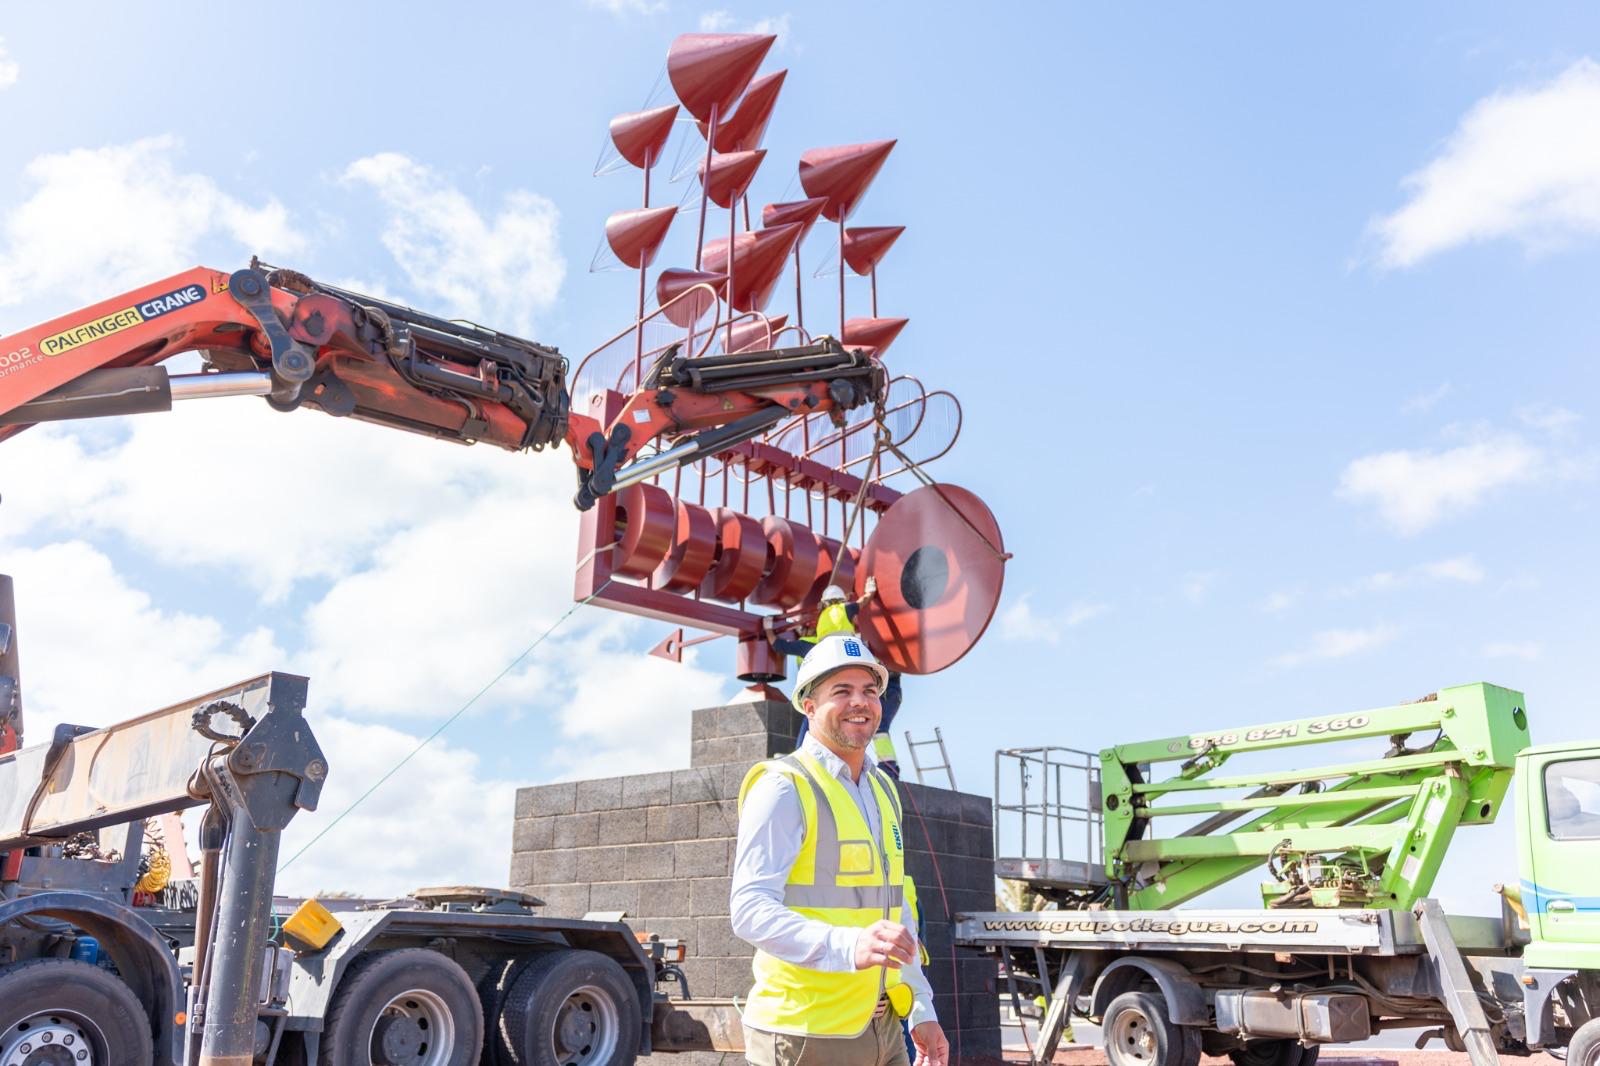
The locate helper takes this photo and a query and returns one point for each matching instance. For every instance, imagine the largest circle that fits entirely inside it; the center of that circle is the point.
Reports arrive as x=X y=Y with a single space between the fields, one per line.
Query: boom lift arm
x=1368 y=833
x=276 y=333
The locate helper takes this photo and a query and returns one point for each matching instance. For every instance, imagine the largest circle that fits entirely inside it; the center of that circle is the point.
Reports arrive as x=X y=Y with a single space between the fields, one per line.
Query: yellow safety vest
x=834 y=619
x=883 y=747
x=840 y=877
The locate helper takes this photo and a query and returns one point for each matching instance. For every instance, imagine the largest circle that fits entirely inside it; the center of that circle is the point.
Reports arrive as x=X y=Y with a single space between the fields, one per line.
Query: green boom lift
x=1370 y=833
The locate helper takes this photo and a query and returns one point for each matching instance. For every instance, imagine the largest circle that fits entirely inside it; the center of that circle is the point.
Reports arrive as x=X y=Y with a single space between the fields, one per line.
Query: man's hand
x=932 y=1048
x=870 y=589
x=885 y=943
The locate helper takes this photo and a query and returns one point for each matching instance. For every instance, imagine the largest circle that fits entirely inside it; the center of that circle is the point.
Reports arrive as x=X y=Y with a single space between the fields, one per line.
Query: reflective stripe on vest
x=841 y=877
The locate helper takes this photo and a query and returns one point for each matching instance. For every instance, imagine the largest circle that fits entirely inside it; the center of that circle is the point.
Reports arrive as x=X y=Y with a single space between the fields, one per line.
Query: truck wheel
x=1138 y=1031
x=1584 y=1047
x=570 y=1008
x=56 y=1010
x=404 y=1007
x=1287 y=1052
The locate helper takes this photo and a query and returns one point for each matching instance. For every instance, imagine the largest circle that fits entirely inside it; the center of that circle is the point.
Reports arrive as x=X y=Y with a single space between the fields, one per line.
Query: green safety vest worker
x=842 y=878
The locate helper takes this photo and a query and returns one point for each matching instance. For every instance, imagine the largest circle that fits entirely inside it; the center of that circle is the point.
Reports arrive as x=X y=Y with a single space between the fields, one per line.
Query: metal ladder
x=944 y=758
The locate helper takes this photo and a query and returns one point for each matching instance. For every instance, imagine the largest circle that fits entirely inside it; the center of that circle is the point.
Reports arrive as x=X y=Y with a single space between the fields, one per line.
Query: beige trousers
x=883 y=1044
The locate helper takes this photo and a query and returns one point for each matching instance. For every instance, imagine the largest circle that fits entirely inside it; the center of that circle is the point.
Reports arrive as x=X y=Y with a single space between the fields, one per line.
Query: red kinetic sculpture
x=753 y=533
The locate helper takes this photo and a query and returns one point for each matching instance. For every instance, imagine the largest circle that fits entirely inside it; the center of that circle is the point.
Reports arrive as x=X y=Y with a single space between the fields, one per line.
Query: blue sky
x=1273 y=330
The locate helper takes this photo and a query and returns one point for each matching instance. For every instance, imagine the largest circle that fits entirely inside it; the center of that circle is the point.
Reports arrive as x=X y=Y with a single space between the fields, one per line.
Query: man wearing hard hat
x=819 y=885
x=838 y=615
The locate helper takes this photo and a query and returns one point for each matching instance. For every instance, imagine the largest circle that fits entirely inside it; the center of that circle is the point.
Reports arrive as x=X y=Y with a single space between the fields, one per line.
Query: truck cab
x=1558 y=852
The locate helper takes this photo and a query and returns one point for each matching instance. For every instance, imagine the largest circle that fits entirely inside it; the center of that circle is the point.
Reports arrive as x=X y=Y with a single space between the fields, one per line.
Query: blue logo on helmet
x=852 y=649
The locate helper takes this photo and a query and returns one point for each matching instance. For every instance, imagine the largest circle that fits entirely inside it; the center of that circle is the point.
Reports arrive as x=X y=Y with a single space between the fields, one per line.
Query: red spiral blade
x=938 y=559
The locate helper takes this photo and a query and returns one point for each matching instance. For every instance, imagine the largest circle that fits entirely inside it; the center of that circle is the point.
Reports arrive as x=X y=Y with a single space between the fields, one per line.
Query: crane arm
x=278 y=334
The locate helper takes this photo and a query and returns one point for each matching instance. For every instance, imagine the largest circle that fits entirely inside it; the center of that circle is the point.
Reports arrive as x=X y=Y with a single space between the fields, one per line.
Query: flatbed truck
x=1348 y=942
x=93 y=973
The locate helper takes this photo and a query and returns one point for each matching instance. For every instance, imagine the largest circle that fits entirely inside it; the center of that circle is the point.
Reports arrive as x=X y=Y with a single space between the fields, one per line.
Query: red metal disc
x=847 y=569
x=937 y=555
x=694 y=549
x=649 y=520
x=795 y=556
x=741 y=557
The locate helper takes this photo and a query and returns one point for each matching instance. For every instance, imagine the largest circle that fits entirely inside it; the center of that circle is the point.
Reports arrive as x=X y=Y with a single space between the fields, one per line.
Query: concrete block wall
x=659 y=846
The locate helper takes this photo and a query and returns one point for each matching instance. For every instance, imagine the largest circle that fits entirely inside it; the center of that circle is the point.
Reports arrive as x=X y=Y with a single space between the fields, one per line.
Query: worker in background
x=838 y=615
x=819 y=886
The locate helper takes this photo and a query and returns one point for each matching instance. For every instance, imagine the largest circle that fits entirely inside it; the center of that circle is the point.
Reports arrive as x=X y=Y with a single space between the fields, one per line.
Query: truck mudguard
x=1185 y=1002
x=142 y=958
x=1538 y=988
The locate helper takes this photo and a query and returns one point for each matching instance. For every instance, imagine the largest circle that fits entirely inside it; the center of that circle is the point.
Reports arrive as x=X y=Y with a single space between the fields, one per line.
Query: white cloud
x=287 y=497
x=621 y=8
x=498 y=271
x=1279 y=601
x=1021 y=622
x=10 y=69
x=1197 y=586
x=1337 y=644
x=387 y=844
x=1460 y=568
x=1463 y=568
x=1522 y=164
x=98 y=650
x=1524 y=649
x=1413 y=489
x=1548 y=418
x=1426 y=401
x=723 y=21
x=101 y=220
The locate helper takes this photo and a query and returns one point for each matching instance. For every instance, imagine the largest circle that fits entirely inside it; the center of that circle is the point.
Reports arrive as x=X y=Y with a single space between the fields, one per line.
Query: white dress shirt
x=772 y=828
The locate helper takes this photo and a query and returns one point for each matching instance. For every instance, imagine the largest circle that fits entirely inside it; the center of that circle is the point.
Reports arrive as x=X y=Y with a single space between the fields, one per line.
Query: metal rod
x=705 y=189
x=210 y=386
x=799 y=303
x=644 y=265
x=733 y=220
x=841 y=276
x=874 y=291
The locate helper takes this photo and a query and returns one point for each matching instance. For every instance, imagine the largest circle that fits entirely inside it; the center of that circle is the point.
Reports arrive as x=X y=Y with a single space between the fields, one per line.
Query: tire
x=72 y=1005
x=1584 y=1047
x=492 y=989
x=1137 y=1031
x=1285 y=1052
x=570 y=1008
x=404 y=1007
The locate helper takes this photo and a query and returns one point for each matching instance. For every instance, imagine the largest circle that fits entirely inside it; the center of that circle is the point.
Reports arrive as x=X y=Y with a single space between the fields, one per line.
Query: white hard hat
x=835 y=652
x=833 y=592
